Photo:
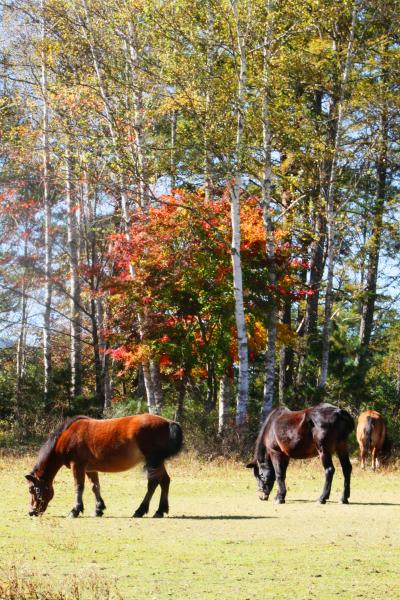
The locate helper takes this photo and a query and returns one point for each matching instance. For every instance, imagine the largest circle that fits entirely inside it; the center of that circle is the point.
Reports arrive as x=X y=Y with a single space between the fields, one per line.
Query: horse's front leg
x=326 y=459
x=347 y=469
x=280 y=463
x=78 y=472
x=93 y=476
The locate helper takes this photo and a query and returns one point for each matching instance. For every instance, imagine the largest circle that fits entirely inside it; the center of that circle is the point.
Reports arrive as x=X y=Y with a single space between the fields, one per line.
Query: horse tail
x=175 y=439
x=348 y=420
x=369 y=426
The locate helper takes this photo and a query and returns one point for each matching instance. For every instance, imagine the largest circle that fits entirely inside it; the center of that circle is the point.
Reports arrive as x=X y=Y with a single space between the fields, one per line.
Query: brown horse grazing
x=88 y=446
x=372 y=433
x=321 y=429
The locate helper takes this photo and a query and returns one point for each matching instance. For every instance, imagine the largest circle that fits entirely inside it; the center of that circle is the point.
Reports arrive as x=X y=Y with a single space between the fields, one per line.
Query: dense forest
x=199 y=209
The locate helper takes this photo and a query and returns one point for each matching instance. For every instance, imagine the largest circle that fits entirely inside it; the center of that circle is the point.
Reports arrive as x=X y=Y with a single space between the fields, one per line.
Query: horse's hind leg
x=373 y=457
x=345 y=463
x=363 y=454
x=93 y=476
x=78 y=472
x=164 y=506
x=152 y=483
x=326 y=459
x=280 y=463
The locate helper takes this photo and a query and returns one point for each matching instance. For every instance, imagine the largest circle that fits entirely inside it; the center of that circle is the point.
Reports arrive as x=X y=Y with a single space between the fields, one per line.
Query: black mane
x=259 y=451
x=48 y=446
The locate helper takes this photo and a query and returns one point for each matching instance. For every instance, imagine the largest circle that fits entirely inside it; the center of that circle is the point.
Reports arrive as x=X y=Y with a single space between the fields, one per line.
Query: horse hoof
x=98 y=513
x=73 y=514
x=279 y=501
x=344 y=501
x=158 y=515
x=137 y=515
x=321 y=501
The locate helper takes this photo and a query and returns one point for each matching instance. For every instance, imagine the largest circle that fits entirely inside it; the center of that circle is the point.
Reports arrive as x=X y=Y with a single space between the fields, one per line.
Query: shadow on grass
x=220 y=517
x=299 y=500
x=187 y=517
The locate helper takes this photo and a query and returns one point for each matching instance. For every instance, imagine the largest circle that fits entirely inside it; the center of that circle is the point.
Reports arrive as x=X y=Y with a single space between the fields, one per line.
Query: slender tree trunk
x=223 y=403
x=21 y=344
x=208 y=183
x=138 y=116
x=180 y=407
x=374 y=245
x=396 y=410
x=286 y=356
x=234 y=189
x=269 y=377
x=47 y=352
x=158 y=393
x=75 y=288
x=331 y=213
x=172 y=158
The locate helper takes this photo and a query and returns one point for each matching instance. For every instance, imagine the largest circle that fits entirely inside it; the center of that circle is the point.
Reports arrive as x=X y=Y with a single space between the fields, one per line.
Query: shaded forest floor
x=219 y=541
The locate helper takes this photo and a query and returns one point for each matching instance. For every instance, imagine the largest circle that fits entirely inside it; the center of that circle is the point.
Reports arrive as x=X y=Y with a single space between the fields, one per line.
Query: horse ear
x=251 y=465
x=30 y=478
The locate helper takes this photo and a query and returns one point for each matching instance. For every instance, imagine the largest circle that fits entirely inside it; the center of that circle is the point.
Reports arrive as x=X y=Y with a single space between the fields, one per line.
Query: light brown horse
x=372 y=434
x=88 y=446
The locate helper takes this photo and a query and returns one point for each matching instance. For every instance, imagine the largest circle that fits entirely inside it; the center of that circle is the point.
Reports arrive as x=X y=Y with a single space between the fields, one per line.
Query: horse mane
x=48 y=446
x=259 y=451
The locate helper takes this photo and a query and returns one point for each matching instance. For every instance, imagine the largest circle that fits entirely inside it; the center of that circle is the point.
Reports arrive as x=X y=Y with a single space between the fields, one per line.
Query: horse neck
x=48 y=467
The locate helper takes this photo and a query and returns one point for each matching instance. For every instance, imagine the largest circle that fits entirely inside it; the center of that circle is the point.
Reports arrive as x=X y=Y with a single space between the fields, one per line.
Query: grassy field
x=219 y=541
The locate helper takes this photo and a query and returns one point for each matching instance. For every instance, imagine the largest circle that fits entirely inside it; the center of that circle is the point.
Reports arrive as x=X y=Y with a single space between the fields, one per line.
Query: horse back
x=114 y=445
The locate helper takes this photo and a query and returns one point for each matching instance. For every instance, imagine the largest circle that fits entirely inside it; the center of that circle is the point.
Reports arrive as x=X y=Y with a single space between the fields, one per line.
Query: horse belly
x=115 y=460
x=298 y=446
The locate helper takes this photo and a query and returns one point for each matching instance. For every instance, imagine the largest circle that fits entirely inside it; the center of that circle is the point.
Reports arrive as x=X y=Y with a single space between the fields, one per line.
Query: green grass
x=219 y=541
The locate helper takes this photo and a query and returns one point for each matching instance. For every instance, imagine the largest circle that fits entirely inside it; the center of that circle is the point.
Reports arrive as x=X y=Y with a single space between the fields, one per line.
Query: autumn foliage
x=181 y=285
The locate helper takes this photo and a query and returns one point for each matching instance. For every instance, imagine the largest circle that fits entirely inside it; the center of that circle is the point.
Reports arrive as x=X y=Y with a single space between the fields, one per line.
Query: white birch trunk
x=269 y=376
x=21 y=344
x=223 y=403
x=331 y=213
x=47 y=354
x=234 y=189
x=75 y=290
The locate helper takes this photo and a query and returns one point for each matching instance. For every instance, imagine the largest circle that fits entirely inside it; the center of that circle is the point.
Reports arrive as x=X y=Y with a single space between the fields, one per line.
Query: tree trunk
x=223 y=403
x=47 y=352
x=331 y=212
x=75 y=288
x=156 y=385
x=374 y=245
x=208 y=183
x=234 y=189
x=21 y=344
x=286 y=356
x=269 y=376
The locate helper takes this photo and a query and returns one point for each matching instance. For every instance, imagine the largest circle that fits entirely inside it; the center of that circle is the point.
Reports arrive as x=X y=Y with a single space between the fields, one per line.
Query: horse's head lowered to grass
x=41 y=492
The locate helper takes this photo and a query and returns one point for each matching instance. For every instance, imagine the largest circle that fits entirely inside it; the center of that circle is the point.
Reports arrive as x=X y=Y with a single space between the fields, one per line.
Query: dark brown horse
x=320 y=430
x=372 y=434
x=88 y=446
